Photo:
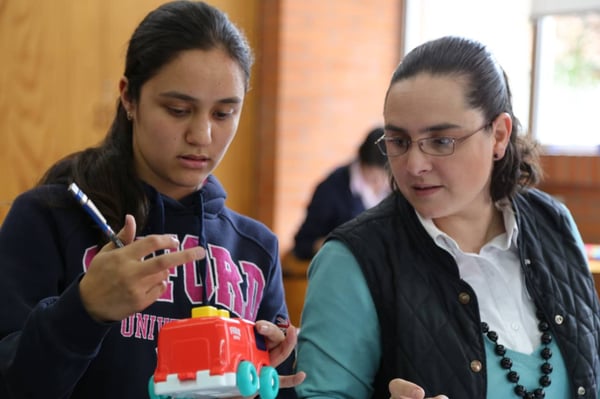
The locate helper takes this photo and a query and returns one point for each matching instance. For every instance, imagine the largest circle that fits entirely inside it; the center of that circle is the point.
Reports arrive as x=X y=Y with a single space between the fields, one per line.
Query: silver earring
x=129 y=117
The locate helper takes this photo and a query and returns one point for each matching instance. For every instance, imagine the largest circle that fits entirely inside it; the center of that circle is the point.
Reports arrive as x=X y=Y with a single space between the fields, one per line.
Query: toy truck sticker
x=212 y=355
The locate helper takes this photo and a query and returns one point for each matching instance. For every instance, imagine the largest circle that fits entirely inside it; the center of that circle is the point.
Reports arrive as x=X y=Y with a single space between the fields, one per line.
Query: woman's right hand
x=120 y=282
x=402 y=389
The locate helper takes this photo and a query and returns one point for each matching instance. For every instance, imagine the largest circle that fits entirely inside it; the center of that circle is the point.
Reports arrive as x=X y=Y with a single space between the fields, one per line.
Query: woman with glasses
x=466 y=282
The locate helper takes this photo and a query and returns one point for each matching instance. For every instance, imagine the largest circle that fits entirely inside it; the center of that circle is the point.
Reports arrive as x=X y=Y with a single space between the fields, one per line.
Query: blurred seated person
x=347 y=191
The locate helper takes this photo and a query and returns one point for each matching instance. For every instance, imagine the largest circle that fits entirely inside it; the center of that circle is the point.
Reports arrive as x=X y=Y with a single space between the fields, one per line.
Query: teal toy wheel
x=247 y=378
x=152 y=392
x=269 y=383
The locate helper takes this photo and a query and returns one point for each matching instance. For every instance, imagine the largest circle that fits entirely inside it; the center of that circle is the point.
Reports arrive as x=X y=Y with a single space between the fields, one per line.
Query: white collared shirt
x=360 y=187
x=496 y=277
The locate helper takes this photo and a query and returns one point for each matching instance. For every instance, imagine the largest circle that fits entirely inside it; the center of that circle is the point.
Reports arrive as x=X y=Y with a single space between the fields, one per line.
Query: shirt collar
x=359 y=187
x=357 y=182
x=503 y=241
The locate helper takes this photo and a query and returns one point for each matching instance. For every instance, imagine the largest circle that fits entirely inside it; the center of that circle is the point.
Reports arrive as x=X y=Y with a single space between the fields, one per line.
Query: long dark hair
x=105 y=172
x=487 y=90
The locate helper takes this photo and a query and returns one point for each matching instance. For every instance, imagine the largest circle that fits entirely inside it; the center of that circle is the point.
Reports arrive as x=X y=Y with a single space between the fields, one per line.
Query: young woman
x=81 y=316
x=466 y=281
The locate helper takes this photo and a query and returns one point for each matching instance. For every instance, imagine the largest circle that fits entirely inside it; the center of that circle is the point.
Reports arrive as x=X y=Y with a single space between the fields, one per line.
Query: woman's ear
x=125 y=99
x=502 y=126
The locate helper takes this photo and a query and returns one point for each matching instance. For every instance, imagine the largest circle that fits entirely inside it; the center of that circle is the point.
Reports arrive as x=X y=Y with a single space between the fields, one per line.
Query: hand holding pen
x=120 y=283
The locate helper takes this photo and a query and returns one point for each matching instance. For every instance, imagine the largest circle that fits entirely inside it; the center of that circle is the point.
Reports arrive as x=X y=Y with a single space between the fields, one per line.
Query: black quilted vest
x=429 y=317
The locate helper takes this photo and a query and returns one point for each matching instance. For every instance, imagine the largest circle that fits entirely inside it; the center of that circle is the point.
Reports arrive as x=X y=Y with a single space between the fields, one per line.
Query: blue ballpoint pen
x=90 y=208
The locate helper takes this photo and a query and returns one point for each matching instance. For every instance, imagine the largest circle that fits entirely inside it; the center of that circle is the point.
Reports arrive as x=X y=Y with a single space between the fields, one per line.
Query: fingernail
x=263 y=328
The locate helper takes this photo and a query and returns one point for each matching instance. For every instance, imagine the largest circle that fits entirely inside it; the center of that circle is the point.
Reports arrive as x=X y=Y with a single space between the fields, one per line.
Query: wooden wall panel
x=61 y=62
x=575 y=180
x=47 y=76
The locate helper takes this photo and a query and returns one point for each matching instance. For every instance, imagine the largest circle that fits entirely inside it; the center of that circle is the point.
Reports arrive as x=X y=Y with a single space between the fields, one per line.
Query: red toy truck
x=212 y=355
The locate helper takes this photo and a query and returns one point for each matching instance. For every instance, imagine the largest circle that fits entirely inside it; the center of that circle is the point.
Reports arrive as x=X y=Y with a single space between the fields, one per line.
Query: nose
x=199 y=131
x=417 y=162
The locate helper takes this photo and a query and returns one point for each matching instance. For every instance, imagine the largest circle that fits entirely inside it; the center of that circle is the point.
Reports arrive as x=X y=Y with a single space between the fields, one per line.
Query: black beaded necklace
x=506 y=363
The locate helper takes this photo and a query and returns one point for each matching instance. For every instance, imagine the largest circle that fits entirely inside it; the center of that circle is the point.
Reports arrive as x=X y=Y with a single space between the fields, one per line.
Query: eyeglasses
x=440 y=146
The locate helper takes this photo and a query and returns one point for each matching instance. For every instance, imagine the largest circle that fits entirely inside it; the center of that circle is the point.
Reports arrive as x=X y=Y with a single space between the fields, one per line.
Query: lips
x=423 y=187
x=193 y=161
x=192 y=157
x=425 y=190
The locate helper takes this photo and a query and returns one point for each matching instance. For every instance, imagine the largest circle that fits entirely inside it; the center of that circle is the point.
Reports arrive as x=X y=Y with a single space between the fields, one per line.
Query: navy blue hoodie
x=51 y=348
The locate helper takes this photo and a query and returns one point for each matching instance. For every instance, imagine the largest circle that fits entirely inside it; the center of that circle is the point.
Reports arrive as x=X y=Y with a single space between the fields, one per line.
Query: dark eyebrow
x=396 y=129
x=440 y=127
x=429 y=129
x=188 y=98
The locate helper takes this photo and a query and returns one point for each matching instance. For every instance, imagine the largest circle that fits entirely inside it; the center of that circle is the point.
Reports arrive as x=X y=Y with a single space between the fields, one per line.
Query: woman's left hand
x=280 y=347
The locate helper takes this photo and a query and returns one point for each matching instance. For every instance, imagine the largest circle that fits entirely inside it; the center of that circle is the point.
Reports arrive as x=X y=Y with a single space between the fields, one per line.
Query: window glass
x=566 y=95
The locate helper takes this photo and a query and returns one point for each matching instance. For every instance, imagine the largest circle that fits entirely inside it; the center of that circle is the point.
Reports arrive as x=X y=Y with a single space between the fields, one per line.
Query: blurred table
x=294 y=282
x=595 y=267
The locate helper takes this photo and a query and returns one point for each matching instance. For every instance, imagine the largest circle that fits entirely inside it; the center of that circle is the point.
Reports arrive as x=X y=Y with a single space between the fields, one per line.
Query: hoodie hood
x=207 y=202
